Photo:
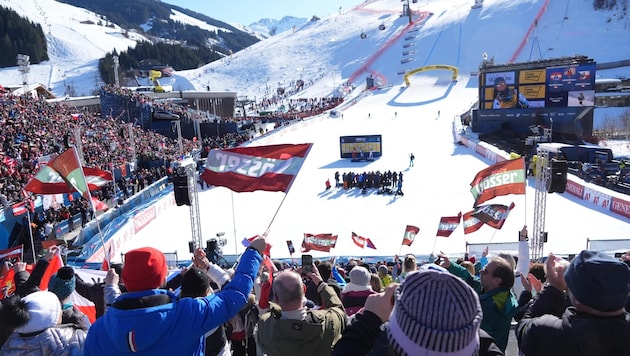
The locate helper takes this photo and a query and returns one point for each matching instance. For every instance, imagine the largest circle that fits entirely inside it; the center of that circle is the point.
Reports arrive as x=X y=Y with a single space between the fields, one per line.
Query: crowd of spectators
x=464 y=306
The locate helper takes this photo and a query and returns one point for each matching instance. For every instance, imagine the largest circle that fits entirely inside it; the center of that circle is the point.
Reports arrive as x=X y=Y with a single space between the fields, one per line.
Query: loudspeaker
x=558 y=177
x=191 y=246
x=180 y=188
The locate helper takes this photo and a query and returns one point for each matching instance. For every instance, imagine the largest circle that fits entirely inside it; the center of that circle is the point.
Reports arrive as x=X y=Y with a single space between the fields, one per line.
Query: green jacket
x=314 y=336
x=498 y=305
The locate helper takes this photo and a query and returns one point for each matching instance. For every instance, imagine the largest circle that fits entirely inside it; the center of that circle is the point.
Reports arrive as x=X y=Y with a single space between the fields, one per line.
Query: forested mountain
x=18 y=35
x=153 y=18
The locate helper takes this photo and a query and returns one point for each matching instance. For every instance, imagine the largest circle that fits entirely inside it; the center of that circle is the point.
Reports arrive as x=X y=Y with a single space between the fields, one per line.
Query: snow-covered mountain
x=330 y=52
x=271 y=27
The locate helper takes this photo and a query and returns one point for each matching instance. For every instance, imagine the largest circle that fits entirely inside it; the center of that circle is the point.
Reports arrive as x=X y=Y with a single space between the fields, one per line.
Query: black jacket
x=550 y=329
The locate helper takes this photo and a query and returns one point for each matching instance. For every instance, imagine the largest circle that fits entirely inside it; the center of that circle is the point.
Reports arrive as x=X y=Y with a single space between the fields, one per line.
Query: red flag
x=448 y=224
x=99 y=205
x=246 y=169
x=7 y=284
x=11 y=253
x=358 y=240
x=410 y=234
x=19 y=208
x=362 y=242
x=493 y=215
x=246 y=242
x=319 y=242
x=471 y=223
x=503 y=178
x=54 y=265
x=49 y=181
x=85 y=305
x=270 y=267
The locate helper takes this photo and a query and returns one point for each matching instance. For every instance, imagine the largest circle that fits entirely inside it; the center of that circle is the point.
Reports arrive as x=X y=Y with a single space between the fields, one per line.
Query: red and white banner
x=503 y=178
x=410 y=234
x=471 y=223
x=448 y=224
x=319 y=242
x=362 y=242
x=11 y=253
x=246 y=169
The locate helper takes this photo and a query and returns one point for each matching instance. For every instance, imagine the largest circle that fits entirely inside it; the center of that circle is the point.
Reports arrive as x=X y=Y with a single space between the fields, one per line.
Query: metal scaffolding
x=540 y=205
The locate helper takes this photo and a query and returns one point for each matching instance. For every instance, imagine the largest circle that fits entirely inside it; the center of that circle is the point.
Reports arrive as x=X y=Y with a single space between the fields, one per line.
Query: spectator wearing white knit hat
x=39 y=332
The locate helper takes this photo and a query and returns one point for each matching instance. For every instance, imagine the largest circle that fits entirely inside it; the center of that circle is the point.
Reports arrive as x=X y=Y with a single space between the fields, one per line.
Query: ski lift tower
x=24 y=62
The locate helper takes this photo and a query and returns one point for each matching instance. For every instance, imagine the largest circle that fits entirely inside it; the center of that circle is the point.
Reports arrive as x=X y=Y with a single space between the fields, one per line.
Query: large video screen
x=559 y=86
x=557 y=94
x=364 y=145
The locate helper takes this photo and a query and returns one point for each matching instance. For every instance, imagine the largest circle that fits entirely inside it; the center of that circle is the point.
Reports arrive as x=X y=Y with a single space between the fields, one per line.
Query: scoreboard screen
x=355 y=146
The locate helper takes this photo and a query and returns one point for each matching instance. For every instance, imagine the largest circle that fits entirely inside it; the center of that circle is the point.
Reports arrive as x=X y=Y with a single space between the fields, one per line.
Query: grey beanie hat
x=435 y=313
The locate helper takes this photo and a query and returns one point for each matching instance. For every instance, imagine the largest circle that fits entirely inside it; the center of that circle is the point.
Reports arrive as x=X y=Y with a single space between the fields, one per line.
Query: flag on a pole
x=493 y=215
x=246 y=169
x=448 y=224
x=54 y=265
x=410 y=234
x=247 y=241
x=362 y=242
x=319 y=242
x=503 y=178
x=64 y=174
x=471 y=223
x=11 y=253
x=99 y=205
x=19 y=208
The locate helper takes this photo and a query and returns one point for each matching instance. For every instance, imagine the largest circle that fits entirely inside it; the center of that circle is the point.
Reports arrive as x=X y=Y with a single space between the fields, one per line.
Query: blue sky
x=246 y=12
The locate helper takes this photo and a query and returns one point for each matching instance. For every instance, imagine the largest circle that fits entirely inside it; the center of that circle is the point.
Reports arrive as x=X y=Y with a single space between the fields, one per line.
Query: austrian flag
x=410 y=234
x=246 y=169
x=448 y=224
x=362 y=242
x=503 y=178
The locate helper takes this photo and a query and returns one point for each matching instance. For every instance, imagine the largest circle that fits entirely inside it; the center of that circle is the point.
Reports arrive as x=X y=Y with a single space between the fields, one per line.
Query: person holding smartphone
x=290 y=328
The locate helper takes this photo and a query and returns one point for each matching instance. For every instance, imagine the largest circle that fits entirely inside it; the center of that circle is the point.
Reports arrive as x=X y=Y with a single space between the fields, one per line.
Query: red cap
x=144 y=268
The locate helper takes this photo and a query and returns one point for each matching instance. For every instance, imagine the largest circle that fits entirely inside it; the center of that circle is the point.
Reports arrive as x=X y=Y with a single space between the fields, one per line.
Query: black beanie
x=195 y=283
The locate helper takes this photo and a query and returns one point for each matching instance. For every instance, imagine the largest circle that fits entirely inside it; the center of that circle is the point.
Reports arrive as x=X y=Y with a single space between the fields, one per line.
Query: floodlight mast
x=540 y=204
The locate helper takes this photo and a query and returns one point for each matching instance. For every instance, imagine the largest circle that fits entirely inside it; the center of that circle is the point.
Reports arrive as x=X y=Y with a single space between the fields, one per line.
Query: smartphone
x=307 y=263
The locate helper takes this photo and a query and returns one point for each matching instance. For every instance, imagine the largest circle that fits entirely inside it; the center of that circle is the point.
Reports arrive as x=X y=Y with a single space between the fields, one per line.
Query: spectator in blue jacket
x=151 y=321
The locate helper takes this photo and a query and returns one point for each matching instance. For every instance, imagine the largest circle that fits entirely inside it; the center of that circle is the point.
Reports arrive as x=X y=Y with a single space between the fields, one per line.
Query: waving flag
x=471 y=223
x=362 y=242
x=11 y=253
x=319 y=242
x=503 y=178
x=246 y=169
x=85 y=305
x=64 y=174
x=493 y=215
x=19 y=208
x=247 y=241
x=410 y=234
x=448 y=224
